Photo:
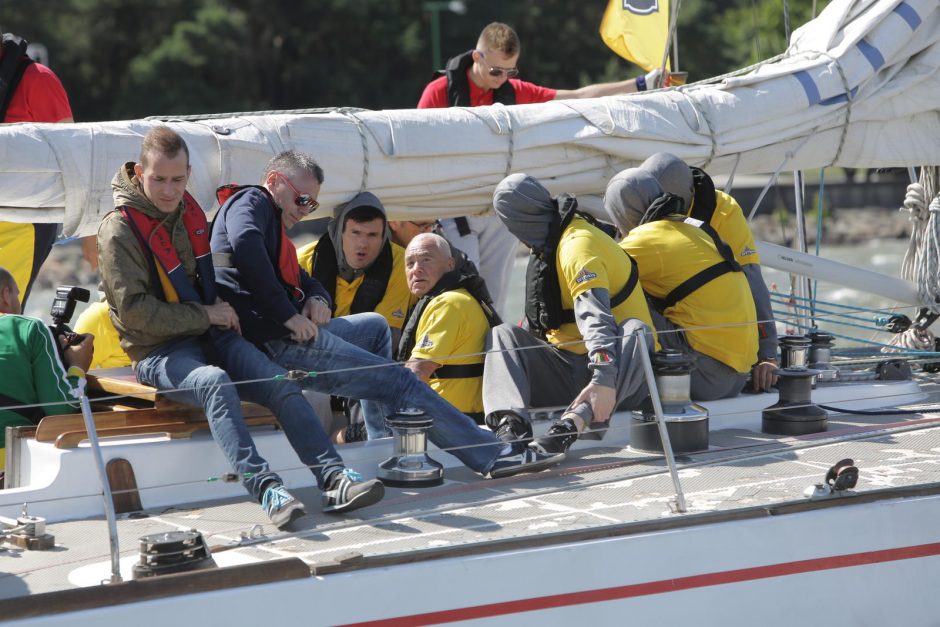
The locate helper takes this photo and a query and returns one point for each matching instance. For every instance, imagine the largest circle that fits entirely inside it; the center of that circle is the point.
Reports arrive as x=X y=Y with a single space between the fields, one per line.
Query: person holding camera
x=35 y=367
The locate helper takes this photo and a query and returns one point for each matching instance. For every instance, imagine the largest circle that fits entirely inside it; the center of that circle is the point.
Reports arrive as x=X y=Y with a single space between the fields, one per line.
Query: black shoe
x=561 y=435
x=510 y=427
x=348 y=491
x=355 y=432
x=522 y=459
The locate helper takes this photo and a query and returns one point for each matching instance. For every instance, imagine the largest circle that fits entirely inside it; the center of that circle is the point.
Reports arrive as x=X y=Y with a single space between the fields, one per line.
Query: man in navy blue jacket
x=286 y=313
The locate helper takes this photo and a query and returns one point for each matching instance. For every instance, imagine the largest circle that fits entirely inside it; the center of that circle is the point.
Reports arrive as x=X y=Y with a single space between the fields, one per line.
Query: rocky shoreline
x=842 y=226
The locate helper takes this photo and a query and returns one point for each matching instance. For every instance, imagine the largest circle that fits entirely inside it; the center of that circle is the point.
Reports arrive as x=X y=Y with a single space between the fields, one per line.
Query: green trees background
x=122 y=59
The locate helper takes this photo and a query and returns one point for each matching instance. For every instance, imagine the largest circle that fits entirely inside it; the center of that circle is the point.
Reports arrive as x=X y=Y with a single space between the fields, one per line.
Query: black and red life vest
x=288 y=269
x=458 y=85
x=12 y=67
x=165 y=264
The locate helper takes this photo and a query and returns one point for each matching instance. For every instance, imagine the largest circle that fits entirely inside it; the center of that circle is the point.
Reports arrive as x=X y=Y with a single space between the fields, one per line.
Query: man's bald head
x=427 y=259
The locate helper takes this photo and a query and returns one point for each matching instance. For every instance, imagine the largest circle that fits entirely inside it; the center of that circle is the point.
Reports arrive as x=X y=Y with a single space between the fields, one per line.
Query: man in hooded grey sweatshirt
x=725 y=215
x=358 y=264
x=583 y=297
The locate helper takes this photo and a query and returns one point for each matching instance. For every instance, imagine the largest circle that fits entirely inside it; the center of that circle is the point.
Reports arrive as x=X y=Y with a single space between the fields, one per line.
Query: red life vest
x=168 y=269
x=288 y=269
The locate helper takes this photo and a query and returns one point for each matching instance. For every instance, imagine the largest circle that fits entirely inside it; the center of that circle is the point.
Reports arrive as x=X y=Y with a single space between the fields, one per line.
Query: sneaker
x=559 y=438
x=511 y=427
x=347 y=491
x=280 y=506
x=522 y=459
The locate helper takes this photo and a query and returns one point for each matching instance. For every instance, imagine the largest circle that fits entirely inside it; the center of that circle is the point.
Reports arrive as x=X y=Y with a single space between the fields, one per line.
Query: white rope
x=921 y=263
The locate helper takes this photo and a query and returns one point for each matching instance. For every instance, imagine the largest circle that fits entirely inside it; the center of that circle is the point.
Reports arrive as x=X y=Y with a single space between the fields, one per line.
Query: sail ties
x=351 y=114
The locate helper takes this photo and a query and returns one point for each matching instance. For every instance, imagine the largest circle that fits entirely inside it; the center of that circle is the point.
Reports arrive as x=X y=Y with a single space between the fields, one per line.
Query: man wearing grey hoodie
x=701 y=304
x=703 y=202
x=358 y=264
x=157 y=274
x=583 y=297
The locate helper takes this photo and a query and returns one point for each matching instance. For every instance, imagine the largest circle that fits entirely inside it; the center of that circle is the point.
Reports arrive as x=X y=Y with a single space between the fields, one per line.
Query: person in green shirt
x=31 y=371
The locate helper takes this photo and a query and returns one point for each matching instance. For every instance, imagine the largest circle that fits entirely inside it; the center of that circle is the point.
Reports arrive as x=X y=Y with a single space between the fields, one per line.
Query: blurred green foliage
x=124 y=59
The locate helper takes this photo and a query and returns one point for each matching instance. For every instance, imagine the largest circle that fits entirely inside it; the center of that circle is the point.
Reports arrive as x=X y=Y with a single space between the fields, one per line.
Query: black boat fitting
x=794 y=413
x=172 y=552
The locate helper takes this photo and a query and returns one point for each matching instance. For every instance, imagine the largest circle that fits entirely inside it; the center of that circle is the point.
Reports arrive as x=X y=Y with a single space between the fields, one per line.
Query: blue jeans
x=370 y=332
x=202 y=381
x=345 y=369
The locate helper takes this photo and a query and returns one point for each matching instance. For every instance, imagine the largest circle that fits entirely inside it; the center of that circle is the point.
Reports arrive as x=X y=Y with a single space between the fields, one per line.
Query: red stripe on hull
x=658 y=587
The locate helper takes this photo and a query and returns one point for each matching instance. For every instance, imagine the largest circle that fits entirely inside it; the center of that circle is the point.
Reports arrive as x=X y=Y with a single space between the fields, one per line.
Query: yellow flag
x=637 y=30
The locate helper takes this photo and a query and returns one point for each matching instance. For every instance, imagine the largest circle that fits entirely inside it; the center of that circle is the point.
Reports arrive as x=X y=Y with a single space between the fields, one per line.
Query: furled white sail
x=859 y=86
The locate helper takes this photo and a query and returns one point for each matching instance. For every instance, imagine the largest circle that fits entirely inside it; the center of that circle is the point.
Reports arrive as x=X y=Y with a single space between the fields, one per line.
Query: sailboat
x=836 y=526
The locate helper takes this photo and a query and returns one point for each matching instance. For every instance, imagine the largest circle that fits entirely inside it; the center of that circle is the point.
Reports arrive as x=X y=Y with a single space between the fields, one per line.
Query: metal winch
x=794 y=351
x=172 y=552
x=410 y=466
x=794 y=412
x=820 y=355
x=686 y=422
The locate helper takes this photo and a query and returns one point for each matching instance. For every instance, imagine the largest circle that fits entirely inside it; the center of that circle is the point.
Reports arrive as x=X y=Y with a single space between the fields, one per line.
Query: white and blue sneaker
x=522 y=459
x=346 y=491
x=280 y=506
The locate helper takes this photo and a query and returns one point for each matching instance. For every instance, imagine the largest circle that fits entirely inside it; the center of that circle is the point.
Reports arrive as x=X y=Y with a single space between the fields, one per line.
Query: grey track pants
x=541 y=375
x=711 y=379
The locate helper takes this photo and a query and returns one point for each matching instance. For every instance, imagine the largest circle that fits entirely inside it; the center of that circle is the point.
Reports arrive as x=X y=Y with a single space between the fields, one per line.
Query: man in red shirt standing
x=29 y=92
x=484 y=76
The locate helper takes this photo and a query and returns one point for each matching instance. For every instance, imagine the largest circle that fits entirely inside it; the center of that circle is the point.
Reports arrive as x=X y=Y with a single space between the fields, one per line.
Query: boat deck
x=603 y=487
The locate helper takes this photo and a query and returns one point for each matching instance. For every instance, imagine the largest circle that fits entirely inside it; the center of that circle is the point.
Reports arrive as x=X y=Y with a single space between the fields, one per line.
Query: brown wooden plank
x=51 y=427
x=173 y=430
x=71 y=439
x=123 y=483
x=120 y=381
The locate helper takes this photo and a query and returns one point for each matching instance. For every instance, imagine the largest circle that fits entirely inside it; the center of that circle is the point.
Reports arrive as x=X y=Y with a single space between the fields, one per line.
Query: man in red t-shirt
x=34 y=94
x=483 y=76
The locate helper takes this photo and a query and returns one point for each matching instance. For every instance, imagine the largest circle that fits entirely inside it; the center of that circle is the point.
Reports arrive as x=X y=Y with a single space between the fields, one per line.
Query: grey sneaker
x=280 y=506
x=347 y=491
x=522 y=459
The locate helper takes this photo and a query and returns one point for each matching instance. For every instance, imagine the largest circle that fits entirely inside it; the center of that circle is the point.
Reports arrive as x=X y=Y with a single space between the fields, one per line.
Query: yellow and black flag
x=637 y=30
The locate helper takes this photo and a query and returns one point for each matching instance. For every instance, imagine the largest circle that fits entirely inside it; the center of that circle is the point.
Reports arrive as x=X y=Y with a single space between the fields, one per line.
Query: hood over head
x=674 y=174
x=525 y=207
x=335 y=230
x=629 y=194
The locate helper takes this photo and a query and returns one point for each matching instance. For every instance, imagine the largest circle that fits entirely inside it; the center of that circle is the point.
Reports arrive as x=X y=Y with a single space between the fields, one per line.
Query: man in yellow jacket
x=358 y=265
x=724 y=214
x=701 y=302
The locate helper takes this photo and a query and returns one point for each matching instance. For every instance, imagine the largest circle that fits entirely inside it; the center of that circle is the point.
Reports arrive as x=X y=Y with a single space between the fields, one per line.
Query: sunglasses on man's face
x=308 y=202
x=510 y=72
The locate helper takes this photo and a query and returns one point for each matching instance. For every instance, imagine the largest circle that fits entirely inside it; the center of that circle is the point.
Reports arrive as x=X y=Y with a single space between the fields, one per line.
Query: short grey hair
x=293 y=163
